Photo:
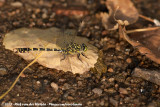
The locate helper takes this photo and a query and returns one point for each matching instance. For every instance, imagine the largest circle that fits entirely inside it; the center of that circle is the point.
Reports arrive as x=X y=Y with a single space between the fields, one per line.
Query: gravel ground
x=115 y=86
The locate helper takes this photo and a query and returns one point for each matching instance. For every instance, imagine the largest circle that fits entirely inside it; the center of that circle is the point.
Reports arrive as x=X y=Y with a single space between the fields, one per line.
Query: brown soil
x=116 y=87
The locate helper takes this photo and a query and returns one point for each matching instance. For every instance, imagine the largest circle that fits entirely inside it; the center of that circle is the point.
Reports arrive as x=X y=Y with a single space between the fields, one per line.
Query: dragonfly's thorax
x=74 y=48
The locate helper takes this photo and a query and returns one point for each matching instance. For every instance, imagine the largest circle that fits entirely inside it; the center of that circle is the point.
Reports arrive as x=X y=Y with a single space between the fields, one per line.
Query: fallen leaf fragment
x=40 y=38
x=123 y=10
x=99 y=67
x=147 y=42
x=149 y=75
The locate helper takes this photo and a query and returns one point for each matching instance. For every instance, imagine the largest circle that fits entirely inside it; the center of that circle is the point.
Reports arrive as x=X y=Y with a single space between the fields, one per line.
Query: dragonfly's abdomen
x=71 y=49
x=24 y=50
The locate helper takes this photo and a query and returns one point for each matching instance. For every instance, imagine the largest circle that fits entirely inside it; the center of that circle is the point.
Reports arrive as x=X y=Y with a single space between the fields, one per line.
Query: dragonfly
x=66 y=42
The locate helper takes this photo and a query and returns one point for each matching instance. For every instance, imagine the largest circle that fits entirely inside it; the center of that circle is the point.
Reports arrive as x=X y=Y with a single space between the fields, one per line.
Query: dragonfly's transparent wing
x=66 y=37
x=70 y=35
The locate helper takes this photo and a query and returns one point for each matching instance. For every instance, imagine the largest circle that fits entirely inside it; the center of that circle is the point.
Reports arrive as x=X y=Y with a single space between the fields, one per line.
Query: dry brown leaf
x=123 y=10
x=147 y=42
x=36 y=38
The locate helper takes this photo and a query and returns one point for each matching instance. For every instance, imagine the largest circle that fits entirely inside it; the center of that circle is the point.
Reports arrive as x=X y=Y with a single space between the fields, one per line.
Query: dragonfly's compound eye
x=84 y=47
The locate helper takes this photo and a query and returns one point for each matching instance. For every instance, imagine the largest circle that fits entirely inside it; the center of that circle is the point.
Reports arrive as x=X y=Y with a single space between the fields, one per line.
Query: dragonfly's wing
x=70 y=35
x=60 y=39
x=66 y=37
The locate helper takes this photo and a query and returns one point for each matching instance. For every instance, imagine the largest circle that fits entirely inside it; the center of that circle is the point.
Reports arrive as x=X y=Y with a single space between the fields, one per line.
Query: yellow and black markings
x=71 y=49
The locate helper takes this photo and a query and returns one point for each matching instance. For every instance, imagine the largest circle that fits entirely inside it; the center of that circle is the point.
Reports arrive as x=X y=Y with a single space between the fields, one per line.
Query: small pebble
x=127 y=99
x=16 y=23
x=70 y=98
x=16 y=4
x=116 y=86
x=105 y=32
x=123 y=91
x=44 y=16
x=118 y=47
x=18 y=95
x=129 y=60
x=66 y=86
x=65 y=95
x=37 y=11
x=41 y=67
x=96 y=27
x=110 y=70
x=3 y=71
x=62 y=80
x=113 y=102
x=33 y=16
x=55 y=86
x=38 y=82
x=110 y=90
x=102 y=103
x=45 y=81
x=52 y=15
x=103 y=79
x=97 y=91
x=111 y=79
x=80 y=83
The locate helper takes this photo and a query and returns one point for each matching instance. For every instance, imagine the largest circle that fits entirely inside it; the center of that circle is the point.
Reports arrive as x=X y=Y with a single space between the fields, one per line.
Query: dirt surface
x=114 y=87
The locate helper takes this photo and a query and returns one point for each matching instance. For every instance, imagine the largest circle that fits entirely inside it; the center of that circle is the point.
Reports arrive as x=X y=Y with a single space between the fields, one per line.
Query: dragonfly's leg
x=78 y=55
x=64 y=56
x=84 y=54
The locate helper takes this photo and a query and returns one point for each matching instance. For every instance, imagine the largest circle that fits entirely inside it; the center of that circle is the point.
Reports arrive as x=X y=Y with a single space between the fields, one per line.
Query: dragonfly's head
x=84 y=47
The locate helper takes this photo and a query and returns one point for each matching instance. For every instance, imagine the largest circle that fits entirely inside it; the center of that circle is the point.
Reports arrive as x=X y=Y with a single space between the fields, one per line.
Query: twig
x=4 y=94
x=146 y=18
x=142 y=30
